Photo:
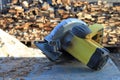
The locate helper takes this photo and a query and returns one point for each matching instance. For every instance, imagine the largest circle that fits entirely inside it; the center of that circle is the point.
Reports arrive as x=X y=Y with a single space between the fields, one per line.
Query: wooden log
x=12 y=11
x=45 y=6
x=99 y=2
x=104 y=40
x=53 y=24
x=52 y=15
x=14 y=1
x=101 y=20
x=80 y=15
x=61 y=11
x=59 y=1
x=111 y=43
x=47 y=24
x=41 y=25
x=26 y=26
x=18 y=8
x=25 y=4
x=88 y=16
x=65 y=15
x=48 y=29
x=115 y=39
x=54 y=2
x=116 y=8
x=117 y=23
x=66 y=2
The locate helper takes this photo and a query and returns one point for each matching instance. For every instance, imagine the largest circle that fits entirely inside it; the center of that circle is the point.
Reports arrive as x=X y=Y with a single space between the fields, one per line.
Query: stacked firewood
x=32 y=21
x=111 y=36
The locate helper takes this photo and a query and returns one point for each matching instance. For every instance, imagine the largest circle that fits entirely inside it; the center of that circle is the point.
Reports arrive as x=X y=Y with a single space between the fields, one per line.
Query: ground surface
x=116 y=59
x=41 y=69
x=77 y=71
x=15 y=68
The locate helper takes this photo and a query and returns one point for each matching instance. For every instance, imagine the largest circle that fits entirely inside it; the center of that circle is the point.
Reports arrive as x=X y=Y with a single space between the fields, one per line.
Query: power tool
x=75 y=37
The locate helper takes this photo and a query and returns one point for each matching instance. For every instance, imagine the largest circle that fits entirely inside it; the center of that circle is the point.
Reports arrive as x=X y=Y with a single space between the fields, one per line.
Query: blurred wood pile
x=111 y=36
x=32 y=21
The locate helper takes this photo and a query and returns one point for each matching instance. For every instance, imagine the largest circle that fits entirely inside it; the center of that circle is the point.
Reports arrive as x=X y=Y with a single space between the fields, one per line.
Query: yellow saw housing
x=87 y=50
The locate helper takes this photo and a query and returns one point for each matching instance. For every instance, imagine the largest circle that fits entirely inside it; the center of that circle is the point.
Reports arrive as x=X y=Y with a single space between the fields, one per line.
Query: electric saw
x=76 y=38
